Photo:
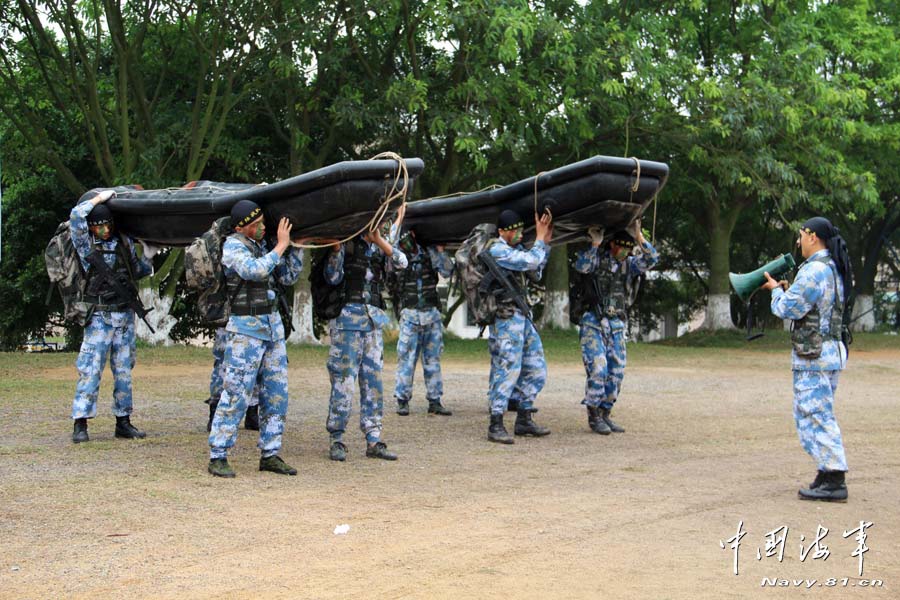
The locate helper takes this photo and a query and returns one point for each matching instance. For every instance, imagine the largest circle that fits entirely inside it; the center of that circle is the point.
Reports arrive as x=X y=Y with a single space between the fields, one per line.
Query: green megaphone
x=745 y=284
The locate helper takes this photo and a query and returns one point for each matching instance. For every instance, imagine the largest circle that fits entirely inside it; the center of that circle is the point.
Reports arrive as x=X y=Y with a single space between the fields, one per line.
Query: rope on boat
x=399 y=190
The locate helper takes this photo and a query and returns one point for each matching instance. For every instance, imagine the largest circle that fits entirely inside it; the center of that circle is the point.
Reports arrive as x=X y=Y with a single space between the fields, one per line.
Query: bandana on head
x=820 y=226
x=509 y=220
x=100 y=215
x=244 y=212
x=624 y=239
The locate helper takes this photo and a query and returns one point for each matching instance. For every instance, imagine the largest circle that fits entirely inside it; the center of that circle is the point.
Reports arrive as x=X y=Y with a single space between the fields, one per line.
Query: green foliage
x=766 y=112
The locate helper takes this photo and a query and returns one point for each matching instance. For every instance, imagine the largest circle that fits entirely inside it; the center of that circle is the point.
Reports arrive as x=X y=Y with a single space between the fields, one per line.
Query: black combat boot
x=832 y=489
x=338 y=451
x=125 y=430
x=820 y=477
x=251 y=419
x=274 y=464
x=526 y=426
x=402 y=407
x=512 y=405
x=436 y=408
x=220 y=468
x=497 y=432
x=604 y=415
x=213 y=404
x=79 y=434
x=596 y=423
x=379 y=450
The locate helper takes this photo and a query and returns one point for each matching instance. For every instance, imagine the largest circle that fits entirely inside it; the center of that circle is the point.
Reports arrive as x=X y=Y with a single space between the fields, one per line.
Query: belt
x=253 y=311
x=99 y=304
x=112 y=307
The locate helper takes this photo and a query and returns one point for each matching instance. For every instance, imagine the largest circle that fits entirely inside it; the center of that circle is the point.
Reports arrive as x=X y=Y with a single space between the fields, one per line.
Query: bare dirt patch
x=710 y=442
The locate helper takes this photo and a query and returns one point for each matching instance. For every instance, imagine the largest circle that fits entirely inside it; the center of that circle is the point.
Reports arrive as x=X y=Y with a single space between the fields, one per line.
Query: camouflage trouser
x=817 y=428
x=427 y=340
x=217 y=378
x=604 y=357
x=106 y=334
x=245 y=359
x=518 y=368
x=356 y=355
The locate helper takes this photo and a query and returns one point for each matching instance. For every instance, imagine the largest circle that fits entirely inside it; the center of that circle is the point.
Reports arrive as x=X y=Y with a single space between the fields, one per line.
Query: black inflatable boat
x=333 y=202
x=605 y=191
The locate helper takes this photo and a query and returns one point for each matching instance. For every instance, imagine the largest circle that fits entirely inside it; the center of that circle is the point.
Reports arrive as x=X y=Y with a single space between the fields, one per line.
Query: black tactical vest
x=98 y=291
x=420 y=267
x=521 y=280
x=806 y=335
x=609 y=290
x=356 y=289
x=249 y=298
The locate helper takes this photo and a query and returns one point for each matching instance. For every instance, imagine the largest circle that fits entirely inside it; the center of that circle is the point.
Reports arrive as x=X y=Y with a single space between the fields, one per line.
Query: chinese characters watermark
x=776 y=541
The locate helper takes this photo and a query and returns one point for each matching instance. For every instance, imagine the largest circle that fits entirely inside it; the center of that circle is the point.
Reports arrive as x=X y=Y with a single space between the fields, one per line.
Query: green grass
x=773 y=340
x=559 y=345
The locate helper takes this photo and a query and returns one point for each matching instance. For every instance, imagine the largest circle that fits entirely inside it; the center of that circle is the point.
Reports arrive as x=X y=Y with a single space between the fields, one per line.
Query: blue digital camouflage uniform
x=357 y=353
x=422 y=333
x=518 y=368
x=217 y=377
x=254 y=347
x=106 y=333
x=816 y=380
x=603 y=348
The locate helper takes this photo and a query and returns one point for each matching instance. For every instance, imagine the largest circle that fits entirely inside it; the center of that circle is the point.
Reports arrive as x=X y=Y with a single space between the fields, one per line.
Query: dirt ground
x=710 y=443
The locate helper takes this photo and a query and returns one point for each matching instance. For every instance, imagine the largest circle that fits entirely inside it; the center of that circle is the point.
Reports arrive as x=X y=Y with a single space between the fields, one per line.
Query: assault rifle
x=496 y=272
x=124 y=289
x=595 y=288
x=285 y=306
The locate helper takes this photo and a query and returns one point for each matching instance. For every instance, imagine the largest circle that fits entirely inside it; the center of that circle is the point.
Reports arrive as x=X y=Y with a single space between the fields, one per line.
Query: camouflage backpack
x=327 y=299
x=471 y=270
x=66 y=272
x=203 y=273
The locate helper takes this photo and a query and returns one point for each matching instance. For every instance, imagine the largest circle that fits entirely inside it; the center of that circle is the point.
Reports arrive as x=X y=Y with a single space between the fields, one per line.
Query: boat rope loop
x=536 y=177
x=637 y=176
x=634 y=188
x=398 y=191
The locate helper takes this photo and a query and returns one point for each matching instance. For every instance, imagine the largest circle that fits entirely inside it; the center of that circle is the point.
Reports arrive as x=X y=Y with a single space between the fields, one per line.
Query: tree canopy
x=766 y=111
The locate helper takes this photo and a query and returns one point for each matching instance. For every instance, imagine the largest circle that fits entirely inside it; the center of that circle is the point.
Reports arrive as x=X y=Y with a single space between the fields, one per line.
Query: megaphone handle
x=750 y=335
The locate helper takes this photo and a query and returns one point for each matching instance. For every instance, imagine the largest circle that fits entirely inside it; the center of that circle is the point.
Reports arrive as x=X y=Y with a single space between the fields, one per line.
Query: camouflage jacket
x=816 y=285
x=238 y=260
x=593 y=261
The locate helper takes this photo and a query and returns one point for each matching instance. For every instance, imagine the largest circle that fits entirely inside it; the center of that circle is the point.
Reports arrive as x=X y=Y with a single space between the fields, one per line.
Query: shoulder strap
x=242 y=239
x=124 y=249
x=832 y=267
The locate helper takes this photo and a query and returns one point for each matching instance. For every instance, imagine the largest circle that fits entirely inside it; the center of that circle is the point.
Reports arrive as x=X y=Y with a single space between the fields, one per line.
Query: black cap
x=820 y=226
x=509 y=219
x=244 y=212
x=100 y=215
x=624 y=239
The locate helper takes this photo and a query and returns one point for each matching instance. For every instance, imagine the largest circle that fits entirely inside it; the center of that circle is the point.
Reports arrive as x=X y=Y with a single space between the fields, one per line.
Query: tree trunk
x=159 y=317
x=556 y=300
x=303 y=310
x=157 y=292
x=718 y=312
x=720 y=226
x=863 y=306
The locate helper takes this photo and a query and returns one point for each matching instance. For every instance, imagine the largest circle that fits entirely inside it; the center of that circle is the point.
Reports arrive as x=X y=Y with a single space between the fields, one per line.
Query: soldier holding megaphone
x=816 y=303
